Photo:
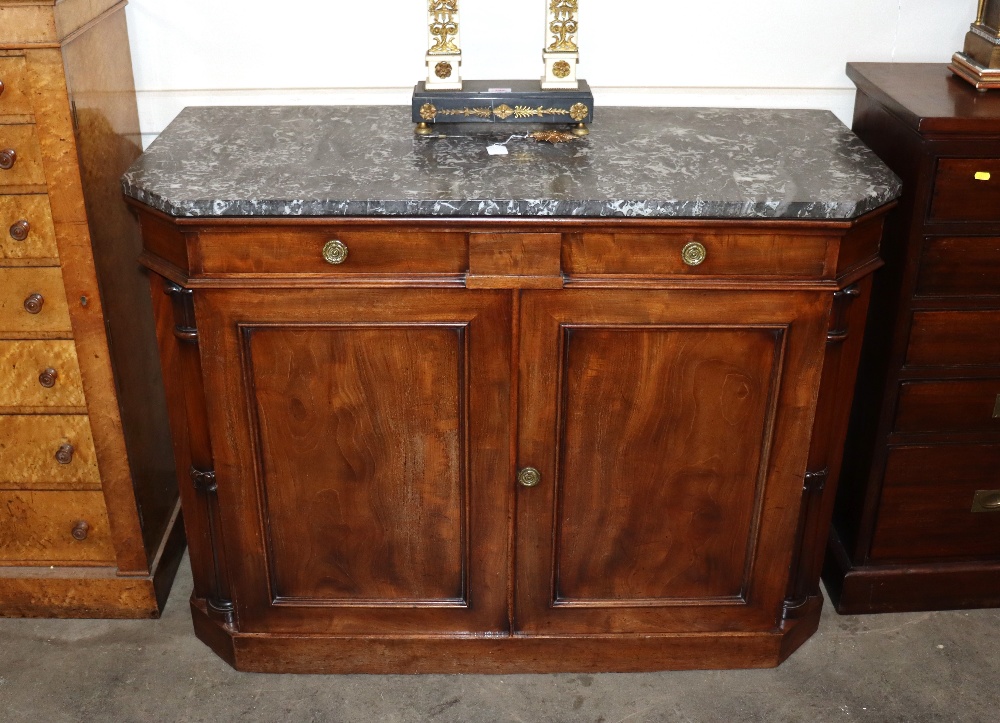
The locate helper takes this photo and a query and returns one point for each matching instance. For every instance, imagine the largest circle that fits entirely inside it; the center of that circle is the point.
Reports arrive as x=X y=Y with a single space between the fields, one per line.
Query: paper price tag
x=497 y=150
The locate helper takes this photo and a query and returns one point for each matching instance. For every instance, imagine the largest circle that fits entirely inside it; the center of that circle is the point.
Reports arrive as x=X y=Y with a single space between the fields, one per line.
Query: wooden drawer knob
x=335 y=252
x=64 y=455
x=33 y=304
x=7 y=158
x=80 y=530
x=693 y=253
x=48 y=378
x=19 y=230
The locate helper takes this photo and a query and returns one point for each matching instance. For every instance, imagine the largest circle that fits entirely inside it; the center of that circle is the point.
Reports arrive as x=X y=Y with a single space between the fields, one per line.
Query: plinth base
x=503 y=102
x=978 y=75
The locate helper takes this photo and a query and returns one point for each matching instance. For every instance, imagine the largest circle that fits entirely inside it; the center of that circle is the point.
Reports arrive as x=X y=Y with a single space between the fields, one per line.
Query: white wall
x=764 y=53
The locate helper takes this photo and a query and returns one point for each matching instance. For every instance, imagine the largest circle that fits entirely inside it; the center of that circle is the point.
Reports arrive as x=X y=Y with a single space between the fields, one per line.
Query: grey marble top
x=637 y=162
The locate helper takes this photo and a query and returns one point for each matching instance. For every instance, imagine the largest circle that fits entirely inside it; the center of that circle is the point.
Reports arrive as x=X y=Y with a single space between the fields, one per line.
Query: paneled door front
x=362 y=448
x=669 y=431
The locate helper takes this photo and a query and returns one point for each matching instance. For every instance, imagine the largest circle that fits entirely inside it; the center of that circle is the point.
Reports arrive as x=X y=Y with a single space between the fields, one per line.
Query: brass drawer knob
x=80 y=530
x=7 y=158
x=986 y=501
x=2 y=87
x=64 y=455
x=693 y=253
x=33 y=304
x=982 y=175
x=529 y=477
x=335 y=252
x=19 y=230
x=48 y=378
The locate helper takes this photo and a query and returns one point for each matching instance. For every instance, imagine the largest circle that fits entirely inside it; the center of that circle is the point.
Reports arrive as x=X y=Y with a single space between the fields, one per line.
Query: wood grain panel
x=960 y=338
x=370 y=503
x=926 y=505
x=16 y=285
x=39 y=248
x=960 y=266
x=20 y=364
x=16 y=96
x=670 y=430
x=959 y=196
x=289 y=250
x=514 y=260
x=27 y=168
x=663 y=431
x=948 y=406
x=37 y=527
x=659 y=254
x=28 y=446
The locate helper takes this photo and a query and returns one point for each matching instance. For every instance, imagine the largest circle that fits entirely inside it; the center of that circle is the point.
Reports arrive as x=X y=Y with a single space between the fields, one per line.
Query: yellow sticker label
x=982 y=175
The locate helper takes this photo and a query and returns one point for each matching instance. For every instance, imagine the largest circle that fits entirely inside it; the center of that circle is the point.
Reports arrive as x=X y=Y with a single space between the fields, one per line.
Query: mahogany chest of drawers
x=89 y=519
x=917 y=523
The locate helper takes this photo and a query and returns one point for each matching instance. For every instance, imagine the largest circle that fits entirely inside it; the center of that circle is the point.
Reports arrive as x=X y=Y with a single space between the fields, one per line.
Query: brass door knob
x=64 y=455
x=33 y=304
x=48 y=378
x=19 y=230
x=693 y=253
x=335 y=252
x=7 y=158
x=529 y=477
x=80 y=530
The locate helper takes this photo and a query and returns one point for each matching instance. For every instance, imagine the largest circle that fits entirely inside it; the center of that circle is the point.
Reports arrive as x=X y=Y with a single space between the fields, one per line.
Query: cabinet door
x=362 y=448
x=671 y=431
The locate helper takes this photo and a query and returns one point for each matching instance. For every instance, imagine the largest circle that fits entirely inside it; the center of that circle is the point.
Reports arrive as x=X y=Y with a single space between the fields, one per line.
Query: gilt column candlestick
x=444 y=56
x=561 y=53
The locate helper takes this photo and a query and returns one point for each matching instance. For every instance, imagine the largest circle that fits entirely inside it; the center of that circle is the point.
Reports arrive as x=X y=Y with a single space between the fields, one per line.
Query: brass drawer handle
x=80 y=530
x=48 y=378
x=996 y=408
x=335 y=252
x=19 y=230
x=64 y=455
x=33 y=304
x=693 y=253
x=7 y=158
x=982 y=175
x=529 y=477
x=986 y=501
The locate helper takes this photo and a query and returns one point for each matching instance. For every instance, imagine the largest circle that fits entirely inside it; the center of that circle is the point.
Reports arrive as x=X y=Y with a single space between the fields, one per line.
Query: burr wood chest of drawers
x=88 y=503
x=917 y=524
x=443 y=411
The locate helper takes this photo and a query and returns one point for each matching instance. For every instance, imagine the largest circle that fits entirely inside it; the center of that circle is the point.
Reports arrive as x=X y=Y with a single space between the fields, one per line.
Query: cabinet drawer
x=301 y=251
x=47 y=451
x=960 y=266
x=959 y=338
x=966 y=189
x=22 y=372
x=33 y=300
x=953 y=406
x=26 y=161
x=926 y=504
x=26 y=232
x=52 y=527
x=14 y=96
x=663 y=254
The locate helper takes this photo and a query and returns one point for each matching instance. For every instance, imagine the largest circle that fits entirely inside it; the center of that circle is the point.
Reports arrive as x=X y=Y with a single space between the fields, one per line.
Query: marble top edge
x=638 y=162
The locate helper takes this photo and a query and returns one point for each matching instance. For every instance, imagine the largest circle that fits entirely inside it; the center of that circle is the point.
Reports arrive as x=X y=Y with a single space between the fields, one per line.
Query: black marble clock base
x=503 y=102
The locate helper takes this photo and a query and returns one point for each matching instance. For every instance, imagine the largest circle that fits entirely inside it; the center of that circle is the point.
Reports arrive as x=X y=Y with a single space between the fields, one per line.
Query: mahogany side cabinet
x=917 y=523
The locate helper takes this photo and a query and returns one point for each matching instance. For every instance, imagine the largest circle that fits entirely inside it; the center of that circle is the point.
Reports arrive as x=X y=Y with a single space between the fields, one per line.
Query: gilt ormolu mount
x=559 y=98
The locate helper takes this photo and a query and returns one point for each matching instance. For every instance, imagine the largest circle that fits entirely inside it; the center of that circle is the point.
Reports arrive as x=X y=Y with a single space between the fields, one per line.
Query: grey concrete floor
x=910 y=667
